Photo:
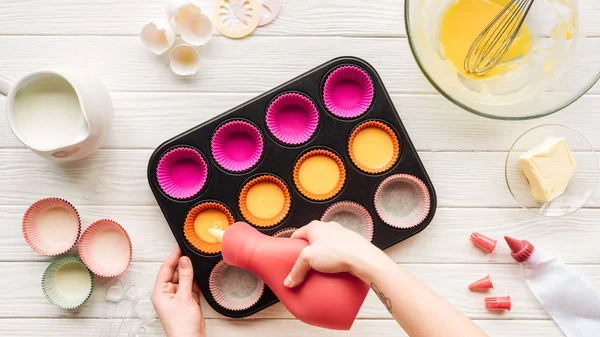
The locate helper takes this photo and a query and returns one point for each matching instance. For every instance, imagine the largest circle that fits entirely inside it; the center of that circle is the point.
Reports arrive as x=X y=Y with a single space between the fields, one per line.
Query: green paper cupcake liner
x=57 y=294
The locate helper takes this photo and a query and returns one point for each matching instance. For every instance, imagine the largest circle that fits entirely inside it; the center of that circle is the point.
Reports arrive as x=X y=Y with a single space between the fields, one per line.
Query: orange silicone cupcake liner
x=190 y=233
x=340 y=183
x=255 y=220
x=389 y=132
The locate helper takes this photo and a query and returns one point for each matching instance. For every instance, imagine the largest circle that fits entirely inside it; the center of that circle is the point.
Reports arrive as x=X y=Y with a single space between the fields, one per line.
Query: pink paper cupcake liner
x=237 y=146
x=105 y=248
x=352 y=216
x=292 y=118
x=51 y=226
x=182 y=172
x=285 y=233
x=348 y=92
x=402 y=201
x=234 y=288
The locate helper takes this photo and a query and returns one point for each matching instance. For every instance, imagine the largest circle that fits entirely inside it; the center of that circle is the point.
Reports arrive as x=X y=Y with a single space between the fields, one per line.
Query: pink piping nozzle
x=484 y=283
x=483 y=242
x=498 y=303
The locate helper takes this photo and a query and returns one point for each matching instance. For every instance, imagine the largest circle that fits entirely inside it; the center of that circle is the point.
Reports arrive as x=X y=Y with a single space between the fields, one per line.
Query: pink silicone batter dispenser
x=329 y=301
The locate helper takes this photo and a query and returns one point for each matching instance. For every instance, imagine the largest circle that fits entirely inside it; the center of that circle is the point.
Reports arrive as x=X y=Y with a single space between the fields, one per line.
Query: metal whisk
x=495 y=40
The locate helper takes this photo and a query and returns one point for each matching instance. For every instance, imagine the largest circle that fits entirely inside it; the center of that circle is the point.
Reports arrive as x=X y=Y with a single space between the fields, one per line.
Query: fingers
x=300 y=269
x=304 y=232
x=167 y=269
x=186 y=277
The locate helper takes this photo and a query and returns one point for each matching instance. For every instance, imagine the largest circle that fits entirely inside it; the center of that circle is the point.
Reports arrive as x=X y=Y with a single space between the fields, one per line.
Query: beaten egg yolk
x=464 y=21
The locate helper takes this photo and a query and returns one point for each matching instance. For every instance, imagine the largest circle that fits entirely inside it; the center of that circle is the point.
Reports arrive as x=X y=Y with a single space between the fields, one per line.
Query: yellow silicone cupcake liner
x=189 y=230
x=245 y=199
x=395 y=148
x=326 y=195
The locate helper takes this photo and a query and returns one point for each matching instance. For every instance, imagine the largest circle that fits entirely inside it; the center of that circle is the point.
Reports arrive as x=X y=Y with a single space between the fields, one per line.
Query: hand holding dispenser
x=329 y=301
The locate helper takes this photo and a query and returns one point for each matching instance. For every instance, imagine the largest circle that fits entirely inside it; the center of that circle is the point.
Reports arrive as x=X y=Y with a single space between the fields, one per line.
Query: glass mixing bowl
x=553 y=75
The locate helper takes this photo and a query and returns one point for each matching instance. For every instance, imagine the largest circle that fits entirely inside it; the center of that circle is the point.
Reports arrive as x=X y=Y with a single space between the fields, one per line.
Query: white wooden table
x=463 y=154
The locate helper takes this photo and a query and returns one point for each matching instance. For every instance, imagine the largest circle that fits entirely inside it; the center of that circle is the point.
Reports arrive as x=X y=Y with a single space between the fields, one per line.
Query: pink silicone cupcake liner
x=402 y=201
x=237 y=146
x=234 y=288
x=352 y=216
x=285 y=233
x=348 y=92
x=292 y=118
x=105 y=248
x=182 y=172
x=51 y=226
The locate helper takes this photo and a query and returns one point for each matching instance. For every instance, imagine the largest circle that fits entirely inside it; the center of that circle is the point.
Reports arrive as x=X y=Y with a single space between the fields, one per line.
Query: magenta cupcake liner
x=292 y=118
x=234 y=288
x=182 y=172
x=352 y=216
x=285 y=233
x=402 y=201
x=237 y=146
x=51 y=226
x=105 y=248
x=348 y=92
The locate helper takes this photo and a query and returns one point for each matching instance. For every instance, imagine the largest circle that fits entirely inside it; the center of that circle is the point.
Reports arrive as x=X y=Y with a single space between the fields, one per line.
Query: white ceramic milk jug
x=59 y=113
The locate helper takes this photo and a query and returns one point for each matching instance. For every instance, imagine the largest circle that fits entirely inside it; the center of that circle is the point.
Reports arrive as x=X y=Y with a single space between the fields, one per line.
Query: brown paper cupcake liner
x=285 y=233
x=98 y=241
x=234 y=288
x=190 y=233
x=255 y=220
x=337 y=188
x=402 y=201
x=43 y=241
x=352 y=216
x=395 y=143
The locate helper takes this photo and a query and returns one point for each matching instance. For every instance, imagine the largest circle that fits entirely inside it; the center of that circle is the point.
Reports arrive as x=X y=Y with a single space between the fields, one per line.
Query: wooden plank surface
x=118 y=178
x=446 y=240
x=270 y=328
x=449 y=280
x=254 y=65
x=145 y=120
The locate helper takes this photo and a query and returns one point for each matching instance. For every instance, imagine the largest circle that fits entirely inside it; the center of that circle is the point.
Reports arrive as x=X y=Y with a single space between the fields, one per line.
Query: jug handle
x=5 y=84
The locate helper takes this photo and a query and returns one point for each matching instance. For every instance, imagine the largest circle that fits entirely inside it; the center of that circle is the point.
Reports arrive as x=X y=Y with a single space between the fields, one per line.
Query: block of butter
x=549 y=168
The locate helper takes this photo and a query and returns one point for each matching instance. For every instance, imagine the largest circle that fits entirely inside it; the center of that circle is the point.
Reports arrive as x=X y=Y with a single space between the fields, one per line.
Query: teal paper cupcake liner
x=76 y=291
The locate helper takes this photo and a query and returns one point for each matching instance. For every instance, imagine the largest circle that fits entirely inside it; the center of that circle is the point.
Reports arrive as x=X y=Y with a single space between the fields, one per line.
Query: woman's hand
x=332 y=249
x=176 y=298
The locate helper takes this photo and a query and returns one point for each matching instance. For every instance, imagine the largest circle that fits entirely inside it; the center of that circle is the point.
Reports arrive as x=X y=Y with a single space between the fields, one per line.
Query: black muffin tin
x=332 y=134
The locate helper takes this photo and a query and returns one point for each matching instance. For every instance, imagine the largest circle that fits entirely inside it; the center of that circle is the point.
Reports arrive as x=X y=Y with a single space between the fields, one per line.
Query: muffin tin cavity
x=182 y=172
x=352 y=216
x=292 y=118
x=319 y=174
x=265 y=201
x=348 y=92
x=327 y=145
x=234 y=288
x=373 y=147
x=285 y=233
x=402 y=201
x=237 y=146
x=203 y=217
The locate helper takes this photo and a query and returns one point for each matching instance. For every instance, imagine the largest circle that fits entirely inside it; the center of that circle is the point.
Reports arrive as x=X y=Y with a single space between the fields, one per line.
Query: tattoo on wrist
x=386 y=301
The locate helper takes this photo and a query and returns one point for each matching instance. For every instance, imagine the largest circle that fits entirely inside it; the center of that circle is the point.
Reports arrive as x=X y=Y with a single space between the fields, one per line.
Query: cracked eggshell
x=158 y=36
x=178 y=11
x=184 y=60
x=196 y=30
